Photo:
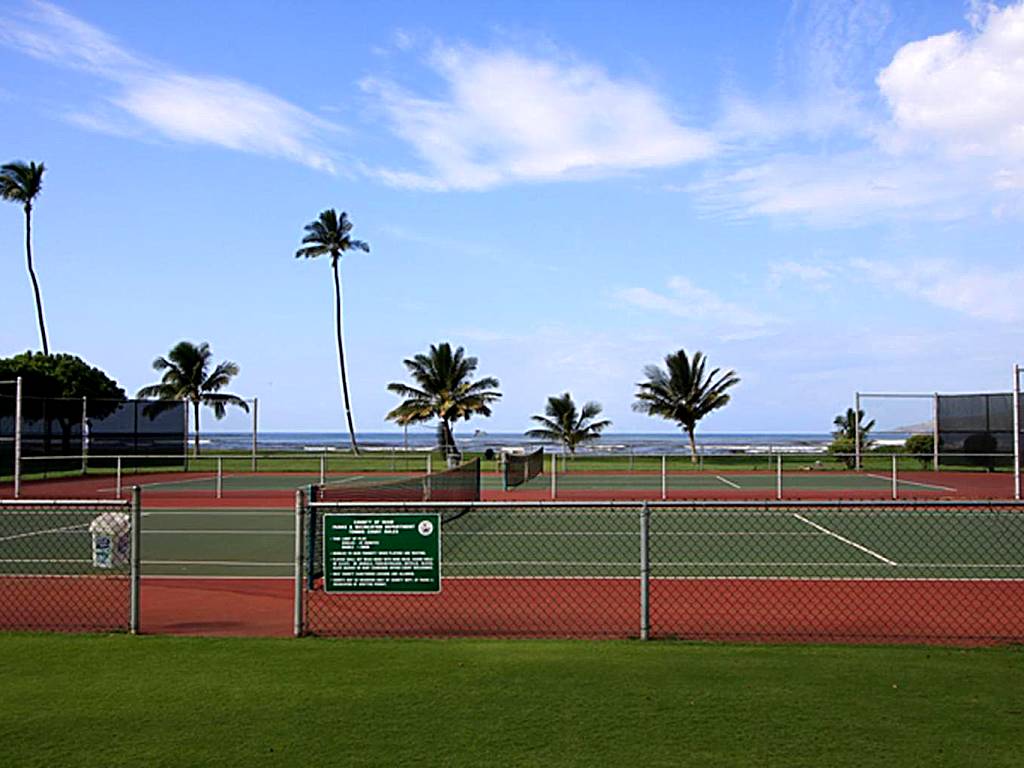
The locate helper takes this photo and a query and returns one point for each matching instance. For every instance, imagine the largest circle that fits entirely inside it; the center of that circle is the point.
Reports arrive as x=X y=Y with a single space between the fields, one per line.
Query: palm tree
x=562 y=424
x=187 y=376
x=329 y=235
x=444 y=391
x=848 y=425
x=22 y=183
x=684 y=393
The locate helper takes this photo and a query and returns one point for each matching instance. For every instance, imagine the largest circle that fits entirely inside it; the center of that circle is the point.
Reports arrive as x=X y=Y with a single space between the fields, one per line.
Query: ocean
x=616 y=443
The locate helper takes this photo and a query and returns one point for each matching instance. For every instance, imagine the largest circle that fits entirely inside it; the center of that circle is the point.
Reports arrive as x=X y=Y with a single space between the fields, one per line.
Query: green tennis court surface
x=940 y=543
x=612 y=481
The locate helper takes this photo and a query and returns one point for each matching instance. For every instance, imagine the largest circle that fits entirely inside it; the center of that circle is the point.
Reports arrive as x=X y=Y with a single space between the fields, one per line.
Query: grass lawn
x=153 y=701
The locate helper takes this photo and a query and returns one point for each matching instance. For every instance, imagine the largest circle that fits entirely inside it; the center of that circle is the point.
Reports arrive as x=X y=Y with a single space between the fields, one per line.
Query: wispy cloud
x=979 y=292
x=818 y=276
x=507 y=116
x=947 y=141
x=684 y=299
x=148 y=96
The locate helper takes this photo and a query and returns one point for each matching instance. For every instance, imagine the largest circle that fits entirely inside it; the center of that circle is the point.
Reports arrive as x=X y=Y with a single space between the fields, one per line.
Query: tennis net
x=461 y=483
x=522 y=469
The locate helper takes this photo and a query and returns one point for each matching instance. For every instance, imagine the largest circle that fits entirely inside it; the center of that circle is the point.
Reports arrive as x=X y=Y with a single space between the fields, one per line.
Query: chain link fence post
x=300 y=511
x=645 y=572
x=135 y=568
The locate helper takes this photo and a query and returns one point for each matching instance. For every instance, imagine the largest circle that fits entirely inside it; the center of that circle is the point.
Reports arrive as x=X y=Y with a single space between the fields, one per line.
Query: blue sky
x=825 y=197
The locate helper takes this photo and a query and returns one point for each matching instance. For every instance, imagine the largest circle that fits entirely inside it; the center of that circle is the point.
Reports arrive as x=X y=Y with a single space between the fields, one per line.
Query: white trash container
x=111 y=542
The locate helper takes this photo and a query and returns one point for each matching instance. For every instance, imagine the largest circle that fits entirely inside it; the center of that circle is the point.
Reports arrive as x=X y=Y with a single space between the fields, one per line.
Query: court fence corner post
x=300 y=510
x=645 y=572
x=135 y=563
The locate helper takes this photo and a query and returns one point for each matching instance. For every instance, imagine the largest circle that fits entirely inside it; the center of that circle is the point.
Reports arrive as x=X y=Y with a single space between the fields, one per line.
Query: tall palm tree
x=22 y=183
x=187 y=376
x=684 y=393
x=329 y=235
x=563 y=424
x=444 y=391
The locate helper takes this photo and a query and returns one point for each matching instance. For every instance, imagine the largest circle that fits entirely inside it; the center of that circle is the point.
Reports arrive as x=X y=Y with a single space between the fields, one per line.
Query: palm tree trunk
x=35 y=282
x=693 y=445
x=195 y=405
x=341 y=357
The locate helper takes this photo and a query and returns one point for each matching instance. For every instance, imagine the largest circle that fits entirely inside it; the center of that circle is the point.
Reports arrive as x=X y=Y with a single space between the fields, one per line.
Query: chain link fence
x=757 y=571
x=69 y=565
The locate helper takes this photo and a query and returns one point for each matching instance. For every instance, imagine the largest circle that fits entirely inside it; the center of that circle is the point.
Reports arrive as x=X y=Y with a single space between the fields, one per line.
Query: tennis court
x=921 y=572
x=278 y=488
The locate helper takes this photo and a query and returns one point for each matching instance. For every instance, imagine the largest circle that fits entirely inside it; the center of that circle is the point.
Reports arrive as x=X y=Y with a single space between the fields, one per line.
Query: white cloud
x=963 y=92
x=948 y=141
x=684 y=299
x=180 y=107
x=508 y=117
x=983 y=293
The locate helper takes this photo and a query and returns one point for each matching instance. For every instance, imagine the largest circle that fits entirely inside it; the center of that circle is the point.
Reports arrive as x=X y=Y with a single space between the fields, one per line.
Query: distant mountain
x=923 y=428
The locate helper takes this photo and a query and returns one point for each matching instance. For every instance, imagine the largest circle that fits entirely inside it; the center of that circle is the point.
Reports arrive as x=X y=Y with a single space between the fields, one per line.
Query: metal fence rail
x=70 y=565
x=945 y=572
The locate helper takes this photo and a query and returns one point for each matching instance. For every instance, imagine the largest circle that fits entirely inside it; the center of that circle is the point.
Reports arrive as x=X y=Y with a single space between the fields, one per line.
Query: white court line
x=900 y=481
x=239 y=563
x=234 y=512
x=845 y=540
x=727 y=482
x=200 y=531
x=630 y=534
x=64 y=529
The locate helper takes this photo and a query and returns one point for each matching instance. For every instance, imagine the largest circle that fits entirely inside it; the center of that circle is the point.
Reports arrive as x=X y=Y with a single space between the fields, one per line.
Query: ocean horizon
x=609 y=443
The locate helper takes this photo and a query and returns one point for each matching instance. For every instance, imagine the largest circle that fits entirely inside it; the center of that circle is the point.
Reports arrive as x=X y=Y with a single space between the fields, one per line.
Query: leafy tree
x=22 y=183
x=563 y=424
x=684 y=392
x=187 y=376
x=444 y=390
x=330 y=235
x=47 y=379
x=843 y=449
x=921 y=447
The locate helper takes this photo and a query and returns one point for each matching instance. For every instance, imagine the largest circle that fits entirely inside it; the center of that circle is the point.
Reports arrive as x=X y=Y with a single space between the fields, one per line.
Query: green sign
x=388 y=552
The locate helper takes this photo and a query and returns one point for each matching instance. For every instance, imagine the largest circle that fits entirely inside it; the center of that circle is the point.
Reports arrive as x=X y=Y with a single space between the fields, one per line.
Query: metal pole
x=778 y=476
x=664 y=479
x=323 y=468
x=856 y=431
x=85 y=435
x=428 y=461
x=554 y=476
x=935 y=432
x=117 y=485
x=1016 y=432
x=17 y=437
x=184 y=403
x=220 y=477
x=895 y=490
x=300 y=508
x=255 y=411
x=135 y=566
x=645 y=572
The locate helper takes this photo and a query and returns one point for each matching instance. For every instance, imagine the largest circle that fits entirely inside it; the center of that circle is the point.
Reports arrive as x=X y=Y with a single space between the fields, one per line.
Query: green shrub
x=922 y=448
